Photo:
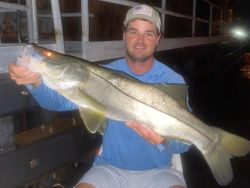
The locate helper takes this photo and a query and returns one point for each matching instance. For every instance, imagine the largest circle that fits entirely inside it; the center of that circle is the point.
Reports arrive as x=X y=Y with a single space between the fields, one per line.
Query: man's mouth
x=139 y=47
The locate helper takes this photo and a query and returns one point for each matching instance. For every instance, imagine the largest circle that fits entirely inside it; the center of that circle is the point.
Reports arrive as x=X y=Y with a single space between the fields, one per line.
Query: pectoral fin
x=94 y=121
x=176 y=91
x=92 y=113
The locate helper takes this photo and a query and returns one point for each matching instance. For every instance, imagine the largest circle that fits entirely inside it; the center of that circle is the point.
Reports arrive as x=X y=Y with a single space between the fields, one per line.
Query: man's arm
x=46 y=97
x=50 y=99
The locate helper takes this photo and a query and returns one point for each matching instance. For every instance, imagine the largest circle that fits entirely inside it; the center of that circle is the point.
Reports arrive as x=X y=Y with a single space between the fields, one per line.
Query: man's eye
x=150 y=34
x=132 y=32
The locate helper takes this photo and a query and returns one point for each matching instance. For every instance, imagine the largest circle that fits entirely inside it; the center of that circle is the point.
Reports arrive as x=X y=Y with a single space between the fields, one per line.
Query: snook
x=101 y=93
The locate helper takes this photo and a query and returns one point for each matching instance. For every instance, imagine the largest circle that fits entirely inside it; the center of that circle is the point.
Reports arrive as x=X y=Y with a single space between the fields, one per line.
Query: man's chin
x=139 y=58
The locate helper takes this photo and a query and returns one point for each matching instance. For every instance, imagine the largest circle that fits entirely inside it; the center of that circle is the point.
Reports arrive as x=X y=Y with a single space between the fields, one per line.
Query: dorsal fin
x=178 y=92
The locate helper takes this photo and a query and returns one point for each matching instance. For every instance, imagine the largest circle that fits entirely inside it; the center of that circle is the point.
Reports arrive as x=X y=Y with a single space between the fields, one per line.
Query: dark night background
x=242 y=9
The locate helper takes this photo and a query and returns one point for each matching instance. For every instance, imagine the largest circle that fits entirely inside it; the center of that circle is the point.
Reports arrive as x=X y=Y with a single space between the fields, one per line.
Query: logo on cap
x=143 y=10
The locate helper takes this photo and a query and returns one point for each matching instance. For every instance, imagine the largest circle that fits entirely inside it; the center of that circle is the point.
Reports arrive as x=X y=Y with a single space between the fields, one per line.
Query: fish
x=102 y=93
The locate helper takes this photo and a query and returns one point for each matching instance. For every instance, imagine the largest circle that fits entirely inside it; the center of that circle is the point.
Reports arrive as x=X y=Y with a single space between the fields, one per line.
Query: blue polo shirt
x=122 y=147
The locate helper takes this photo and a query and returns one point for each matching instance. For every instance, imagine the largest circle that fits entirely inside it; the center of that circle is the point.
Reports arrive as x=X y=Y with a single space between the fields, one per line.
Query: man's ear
x=123 y=35
x=159 y=38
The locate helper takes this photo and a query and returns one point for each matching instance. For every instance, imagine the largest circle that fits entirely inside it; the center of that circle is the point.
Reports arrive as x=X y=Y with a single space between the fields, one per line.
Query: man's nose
x=141 y=37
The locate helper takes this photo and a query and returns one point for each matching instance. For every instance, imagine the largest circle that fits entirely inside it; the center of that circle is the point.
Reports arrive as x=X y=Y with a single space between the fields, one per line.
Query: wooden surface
x=45 y=131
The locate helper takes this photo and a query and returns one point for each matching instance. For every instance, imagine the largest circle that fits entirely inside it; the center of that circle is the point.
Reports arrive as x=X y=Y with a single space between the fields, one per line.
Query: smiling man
x=138 y=158
x=131 y=156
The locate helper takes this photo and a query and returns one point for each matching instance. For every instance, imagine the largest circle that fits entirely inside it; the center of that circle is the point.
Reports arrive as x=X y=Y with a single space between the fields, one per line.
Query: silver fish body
x=103 y=93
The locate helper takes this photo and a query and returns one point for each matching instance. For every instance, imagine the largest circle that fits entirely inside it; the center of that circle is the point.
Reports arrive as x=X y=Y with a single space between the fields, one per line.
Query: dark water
x=222 y=102
x=220 y=96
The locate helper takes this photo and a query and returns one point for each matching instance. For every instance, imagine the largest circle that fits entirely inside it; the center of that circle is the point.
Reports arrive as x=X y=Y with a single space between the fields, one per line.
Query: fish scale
x=138 y=92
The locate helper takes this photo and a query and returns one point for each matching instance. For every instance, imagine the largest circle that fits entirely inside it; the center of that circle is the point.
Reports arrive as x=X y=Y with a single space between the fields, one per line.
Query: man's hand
x=147 y=134
x=21 y=75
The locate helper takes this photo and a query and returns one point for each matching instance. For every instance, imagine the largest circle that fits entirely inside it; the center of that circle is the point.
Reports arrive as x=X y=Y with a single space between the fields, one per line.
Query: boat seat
x=176 y=162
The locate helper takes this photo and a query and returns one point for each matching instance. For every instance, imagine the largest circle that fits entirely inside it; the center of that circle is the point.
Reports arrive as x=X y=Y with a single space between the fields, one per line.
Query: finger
x=138 y=128
x=25 y=77
x=133 y=125
x=12 y=67
x=28 y=79
x=142 y=131
x=22 y=75
x=147 y=133
x=156 y=138
x=16 y=71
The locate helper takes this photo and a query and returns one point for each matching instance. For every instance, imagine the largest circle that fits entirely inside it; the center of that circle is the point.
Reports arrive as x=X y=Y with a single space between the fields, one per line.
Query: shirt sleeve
x=50 y=99
x=177 y=146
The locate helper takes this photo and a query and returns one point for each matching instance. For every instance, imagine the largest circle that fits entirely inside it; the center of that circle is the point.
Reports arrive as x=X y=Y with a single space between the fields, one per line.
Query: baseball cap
x=143 y=12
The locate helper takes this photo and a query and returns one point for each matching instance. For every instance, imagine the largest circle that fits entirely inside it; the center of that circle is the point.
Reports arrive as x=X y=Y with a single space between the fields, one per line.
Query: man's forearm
x=50 y=99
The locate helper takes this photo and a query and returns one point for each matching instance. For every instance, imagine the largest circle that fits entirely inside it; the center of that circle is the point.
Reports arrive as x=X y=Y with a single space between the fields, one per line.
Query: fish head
x=57 y=70
x=41 y=60
x=31 y=59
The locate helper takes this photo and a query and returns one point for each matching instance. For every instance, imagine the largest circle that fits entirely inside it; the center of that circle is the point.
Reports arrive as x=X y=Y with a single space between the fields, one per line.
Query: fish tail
x=218 y=158
x=235 y=145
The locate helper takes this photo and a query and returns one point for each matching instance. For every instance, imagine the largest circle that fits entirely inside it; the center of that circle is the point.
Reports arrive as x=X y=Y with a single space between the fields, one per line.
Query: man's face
x=141 y=39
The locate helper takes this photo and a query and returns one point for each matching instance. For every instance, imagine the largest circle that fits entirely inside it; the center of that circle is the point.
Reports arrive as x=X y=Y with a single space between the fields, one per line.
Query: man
x=130 y=156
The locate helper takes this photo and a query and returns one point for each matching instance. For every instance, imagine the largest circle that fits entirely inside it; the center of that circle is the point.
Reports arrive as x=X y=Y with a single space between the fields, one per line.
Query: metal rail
x=85 y=45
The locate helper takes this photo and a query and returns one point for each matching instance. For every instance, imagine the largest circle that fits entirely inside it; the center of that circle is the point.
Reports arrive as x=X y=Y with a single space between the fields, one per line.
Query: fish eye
x=48 y=54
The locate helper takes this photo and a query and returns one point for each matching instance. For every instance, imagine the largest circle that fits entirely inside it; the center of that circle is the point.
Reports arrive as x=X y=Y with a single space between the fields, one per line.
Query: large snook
x=101 y=93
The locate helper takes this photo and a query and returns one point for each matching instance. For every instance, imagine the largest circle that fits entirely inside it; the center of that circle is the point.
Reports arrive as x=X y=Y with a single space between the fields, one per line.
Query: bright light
x=239 y=33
